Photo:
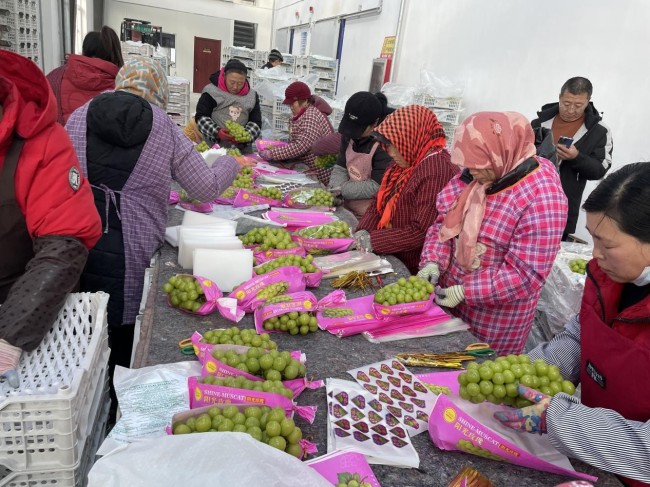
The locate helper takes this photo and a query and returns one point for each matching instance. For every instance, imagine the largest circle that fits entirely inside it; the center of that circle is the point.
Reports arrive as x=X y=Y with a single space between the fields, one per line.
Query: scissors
x=451 y=360
x=186 y=346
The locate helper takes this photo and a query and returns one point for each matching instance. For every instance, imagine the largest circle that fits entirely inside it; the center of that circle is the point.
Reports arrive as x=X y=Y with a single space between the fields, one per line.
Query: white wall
x=515 y=55
x=187 y=19
x=51 y=36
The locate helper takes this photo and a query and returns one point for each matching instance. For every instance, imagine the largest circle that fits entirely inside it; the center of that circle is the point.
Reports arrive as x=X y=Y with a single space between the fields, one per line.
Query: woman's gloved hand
x=265 y=154
x=531 y=419
x=451 y=296
x=362 y=241
x=430 y=272
x=9 y=361
x=224 y=136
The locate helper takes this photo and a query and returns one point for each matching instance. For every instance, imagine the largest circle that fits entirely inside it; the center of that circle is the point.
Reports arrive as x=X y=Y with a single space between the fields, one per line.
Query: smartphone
x=565 y=141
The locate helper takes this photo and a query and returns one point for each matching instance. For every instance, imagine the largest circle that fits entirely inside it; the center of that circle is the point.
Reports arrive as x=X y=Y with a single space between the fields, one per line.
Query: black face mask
x=514 y=176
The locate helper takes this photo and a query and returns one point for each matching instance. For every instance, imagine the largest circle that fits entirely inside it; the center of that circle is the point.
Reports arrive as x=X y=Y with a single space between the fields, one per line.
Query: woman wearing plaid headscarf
x=498 y=229
x=396 y=222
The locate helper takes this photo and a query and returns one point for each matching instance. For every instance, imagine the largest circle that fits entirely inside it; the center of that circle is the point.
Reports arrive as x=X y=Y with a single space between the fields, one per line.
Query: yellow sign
x=388 y=48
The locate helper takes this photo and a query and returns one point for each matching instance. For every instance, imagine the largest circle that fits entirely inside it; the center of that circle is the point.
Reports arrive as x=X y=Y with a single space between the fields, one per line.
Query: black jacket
x=119 y=125
x=594 y=143
x=380 y=161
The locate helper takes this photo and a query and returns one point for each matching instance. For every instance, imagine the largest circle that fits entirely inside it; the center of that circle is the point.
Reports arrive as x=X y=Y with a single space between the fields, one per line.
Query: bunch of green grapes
x=337 y=229
x=305 y=264
x=404 y=290
x=267 y=425
x=182 y=194
x=238 y=132
x=241 y=382
x=578 y=265
x=436 y=389
x=268 y=238
x=273 y=290
x=469 y=447
x=294 y=322
x=202 y=147
x=267 y=364
x=497 y=381
x=234 y=152
x=346 y=479
x=314 y=197
x=184 y=292
x=230 y=192
x=244 y=178
x=282 y=298
x=270 y=192
x=234 y=336
x=337 y=312
x=326 y=161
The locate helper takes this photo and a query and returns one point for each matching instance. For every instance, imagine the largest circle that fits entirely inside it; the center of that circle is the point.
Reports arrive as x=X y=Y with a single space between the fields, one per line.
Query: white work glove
x=451 y=296
x=9 y=360
x=430 y=272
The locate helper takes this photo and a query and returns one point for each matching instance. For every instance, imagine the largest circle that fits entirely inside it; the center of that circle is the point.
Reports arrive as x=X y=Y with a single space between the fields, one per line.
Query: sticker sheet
x=357 y=420
x=402 y=394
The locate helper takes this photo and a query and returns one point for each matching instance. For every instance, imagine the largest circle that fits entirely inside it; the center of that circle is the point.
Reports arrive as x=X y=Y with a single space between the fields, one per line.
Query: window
x=244 y=35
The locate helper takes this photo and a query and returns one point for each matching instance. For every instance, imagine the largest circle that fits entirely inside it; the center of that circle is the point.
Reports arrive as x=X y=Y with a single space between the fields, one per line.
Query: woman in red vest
x=607 y=346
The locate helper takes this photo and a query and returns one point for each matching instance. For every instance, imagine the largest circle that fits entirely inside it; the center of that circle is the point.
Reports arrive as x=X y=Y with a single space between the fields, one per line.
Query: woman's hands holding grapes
x=531 y=419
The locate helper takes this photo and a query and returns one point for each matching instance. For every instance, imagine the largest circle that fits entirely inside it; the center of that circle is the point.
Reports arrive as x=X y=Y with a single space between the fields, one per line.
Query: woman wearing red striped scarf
x=396 y=222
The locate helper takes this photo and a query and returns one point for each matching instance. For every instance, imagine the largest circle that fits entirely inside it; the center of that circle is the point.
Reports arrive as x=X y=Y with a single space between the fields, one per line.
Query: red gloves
x=224 y=136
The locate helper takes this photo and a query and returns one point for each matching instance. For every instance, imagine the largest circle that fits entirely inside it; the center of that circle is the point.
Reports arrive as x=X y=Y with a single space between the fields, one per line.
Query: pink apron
x=359 y=167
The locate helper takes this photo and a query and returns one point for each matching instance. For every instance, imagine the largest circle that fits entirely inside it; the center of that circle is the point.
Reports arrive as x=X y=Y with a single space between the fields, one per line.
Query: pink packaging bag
x=246 y=293
x=386 y=312
x=323 y=246
x=174 y=197
x=202 y=349
x=263 y=256
x=455 y=424
x=362 y=314
x=198 y=207
x=211 y=292
x=307 y=447
x=212 y=366
x=297 y=198
x=211 y=395
x=261 y=144
x=312 y=279
x=342 y=466
x=247 y=198
x=224 y=201
x=296 y=221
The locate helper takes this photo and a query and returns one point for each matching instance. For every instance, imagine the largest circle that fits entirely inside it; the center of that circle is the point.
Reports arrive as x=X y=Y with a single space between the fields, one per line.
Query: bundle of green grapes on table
x=328 y=238
x=238 y=132
x=308 y=197
x=245 y=179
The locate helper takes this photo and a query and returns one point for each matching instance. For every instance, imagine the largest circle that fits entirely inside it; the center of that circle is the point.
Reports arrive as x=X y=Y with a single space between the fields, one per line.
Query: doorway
x=207 y=60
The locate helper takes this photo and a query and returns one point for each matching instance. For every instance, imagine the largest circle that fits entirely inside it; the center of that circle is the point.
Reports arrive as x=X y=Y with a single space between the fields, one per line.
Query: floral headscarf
x=144 y=77
x=500 y=141
x=415 y=131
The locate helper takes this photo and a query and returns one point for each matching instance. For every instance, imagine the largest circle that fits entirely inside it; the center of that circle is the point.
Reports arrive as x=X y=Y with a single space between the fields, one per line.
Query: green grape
x=235 y=336
x=337 y=312
x=325 y=161
x=238 y=132
x=578 y=266
x=409 y=290
x=202 y=147
x=469 y=447
x=294 y=322
x=235 y=152
x=182 y=194
x=305 y=264
x=273 y=290
x=273 y=365
x=337 y=229
x=270 y=192
x=347 y=479
x=184 y=292
x=314 y=197
x=497 y=380
x=265 y=238
x=436 y=389
x=269 y=386
x=283 y=298
x=279 y=432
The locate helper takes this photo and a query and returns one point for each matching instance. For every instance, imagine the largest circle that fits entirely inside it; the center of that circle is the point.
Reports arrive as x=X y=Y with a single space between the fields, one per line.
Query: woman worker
x=308 y=124
x=361 y=162
x=88 y=74
x=397 y=220
x=229 y=98
x=498 y=229
x=607 y=346
x=131 y=151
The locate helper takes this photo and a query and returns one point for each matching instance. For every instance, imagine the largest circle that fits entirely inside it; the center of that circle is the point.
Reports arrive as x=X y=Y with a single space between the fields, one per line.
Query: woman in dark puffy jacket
x=85 y=76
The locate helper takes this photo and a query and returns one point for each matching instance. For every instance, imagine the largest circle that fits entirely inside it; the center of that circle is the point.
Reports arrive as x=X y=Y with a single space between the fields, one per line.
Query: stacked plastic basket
x=52 y=425
x=448 y=110
x=20 y=28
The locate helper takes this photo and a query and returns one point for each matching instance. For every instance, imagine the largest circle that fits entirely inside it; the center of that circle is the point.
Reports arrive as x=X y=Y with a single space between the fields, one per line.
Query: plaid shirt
x=167 y=155
x=415 y=211
x=55 y=78
x=521 y=229
x=310 y=126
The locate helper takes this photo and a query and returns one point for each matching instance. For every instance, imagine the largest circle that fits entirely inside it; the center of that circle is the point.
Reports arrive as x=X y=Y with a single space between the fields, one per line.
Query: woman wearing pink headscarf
x=498 y=229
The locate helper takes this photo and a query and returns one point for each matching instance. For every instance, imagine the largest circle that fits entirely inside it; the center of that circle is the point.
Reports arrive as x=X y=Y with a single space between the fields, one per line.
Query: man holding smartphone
x=582 y=143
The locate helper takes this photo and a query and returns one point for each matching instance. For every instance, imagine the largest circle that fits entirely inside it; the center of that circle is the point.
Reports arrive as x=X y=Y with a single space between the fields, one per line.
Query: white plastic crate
x=179 y=118
x=448 y=116
x=280 y=124
x=76 y=476
x=7 y=5
x=336 y=117
x=44 y=423
x=321 y=61
x=234 y=51
x=434 y=102
x=288 y=58
x=323 y=73
x=325 y=84
x=281 y=109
